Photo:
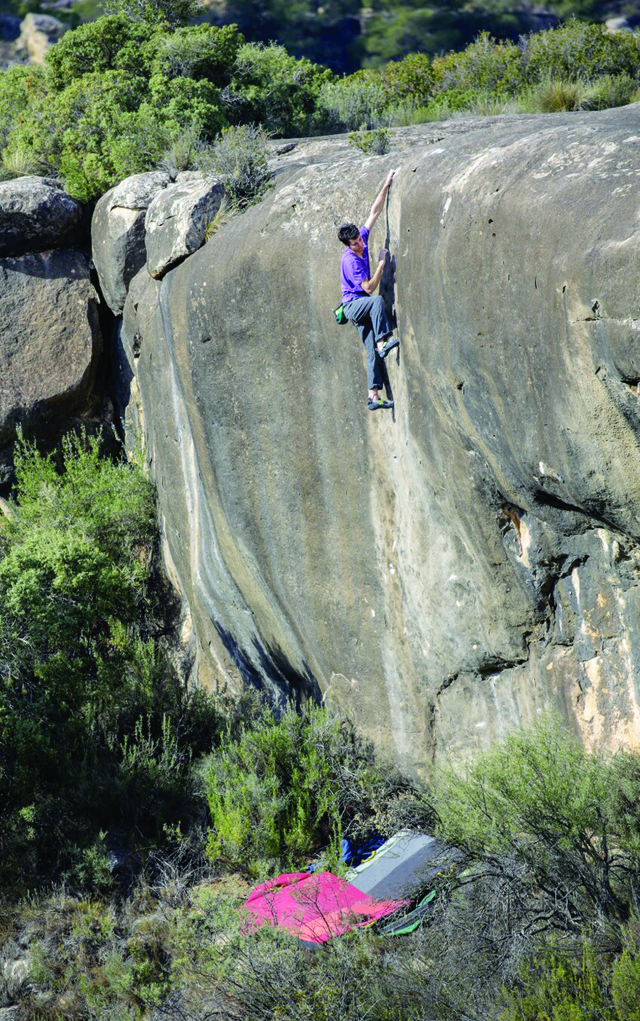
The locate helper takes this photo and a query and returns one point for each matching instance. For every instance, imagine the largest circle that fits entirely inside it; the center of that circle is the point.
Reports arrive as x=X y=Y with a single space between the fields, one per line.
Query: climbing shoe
x=376 y=405
x=389 y=347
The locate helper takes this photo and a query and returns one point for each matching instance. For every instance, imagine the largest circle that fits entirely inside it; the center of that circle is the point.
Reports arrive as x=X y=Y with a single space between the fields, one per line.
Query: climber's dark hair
x=348 y=232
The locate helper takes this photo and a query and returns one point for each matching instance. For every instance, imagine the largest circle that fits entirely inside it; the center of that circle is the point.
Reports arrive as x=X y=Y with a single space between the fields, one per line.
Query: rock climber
x=361 y=306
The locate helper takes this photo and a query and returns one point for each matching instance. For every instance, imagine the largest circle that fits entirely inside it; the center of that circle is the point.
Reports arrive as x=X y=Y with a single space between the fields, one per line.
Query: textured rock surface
x=38 y=33
x=50 y=337
x=117 y=234
x=449 y=571
x=177 y=219
x=37 y=214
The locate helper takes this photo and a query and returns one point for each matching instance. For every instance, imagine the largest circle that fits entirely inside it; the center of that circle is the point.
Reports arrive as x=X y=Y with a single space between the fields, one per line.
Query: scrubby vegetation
x=119 y=96
x=535 y=915
x=136 y=812
x=135 y=809
x=96 y=730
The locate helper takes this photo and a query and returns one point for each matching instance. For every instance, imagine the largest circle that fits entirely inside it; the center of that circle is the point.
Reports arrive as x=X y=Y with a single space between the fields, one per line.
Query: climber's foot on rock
x=389 y=346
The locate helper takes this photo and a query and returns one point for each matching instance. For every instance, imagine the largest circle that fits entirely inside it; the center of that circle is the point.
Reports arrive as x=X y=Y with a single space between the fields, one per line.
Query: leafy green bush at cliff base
x=542 y=800
x=588 y=984
x=283 y=788
x=503 y=941
x=549 y=878
x=96 y=731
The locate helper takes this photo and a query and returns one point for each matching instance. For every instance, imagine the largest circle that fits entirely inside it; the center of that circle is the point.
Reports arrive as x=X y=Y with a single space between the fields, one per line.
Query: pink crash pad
x=313 y=906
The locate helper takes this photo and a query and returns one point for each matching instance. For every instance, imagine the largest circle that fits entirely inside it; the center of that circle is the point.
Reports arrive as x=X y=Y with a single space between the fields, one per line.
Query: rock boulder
x=451 y=569
x=38 y=33
x=118 y=234
x=50 y=338
x=177 y=219
x=36 y=214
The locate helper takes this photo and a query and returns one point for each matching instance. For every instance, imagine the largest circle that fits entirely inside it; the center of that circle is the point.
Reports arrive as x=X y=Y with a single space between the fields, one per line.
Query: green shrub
x=560 y=986
x=153 y=12
x=623 y=800
x=347 y=104
x=279 y=789
x=625 y=976
x=96 y=731
x=277 y=91
x=187 y=104
x=18 y=87
x=610 y=91
x=410 y=79
x=539 y=798
x=200 y=51
x=377 y=142
x=447 y=104
x=271 y=796
x=580 y=52
x=406 y=112
x=485 y=66
x=85 y=964
x=239 y=159
x=94 y=133
x=108 y=44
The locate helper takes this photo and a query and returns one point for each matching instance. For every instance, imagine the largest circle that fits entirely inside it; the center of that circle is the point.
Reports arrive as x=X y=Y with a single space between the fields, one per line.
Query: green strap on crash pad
x=406 y=925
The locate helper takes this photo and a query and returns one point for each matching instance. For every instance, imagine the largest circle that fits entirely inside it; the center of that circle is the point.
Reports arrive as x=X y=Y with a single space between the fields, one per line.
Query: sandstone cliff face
x=448 y=571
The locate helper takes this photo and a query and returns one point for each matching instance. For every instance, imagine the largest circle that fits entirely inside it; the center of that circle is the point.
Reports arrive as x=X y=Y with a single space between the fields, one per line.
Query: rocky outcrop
x=447 y=571
x=177 y=220
x=37 y=214
x=118 y=234
x=50 y=338
x=38 y=33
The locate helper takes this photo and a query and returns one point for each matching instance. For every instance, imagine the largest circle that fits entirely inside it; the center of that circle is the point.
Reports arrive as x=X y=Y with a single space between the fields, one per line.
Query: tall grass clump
x=554 y=96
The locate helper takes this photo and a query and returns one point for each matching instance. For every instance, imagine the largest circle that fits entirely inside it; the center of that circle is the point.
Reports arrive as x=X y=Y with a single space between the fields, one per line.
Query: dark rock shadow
x=388 y=290
x=277 y=678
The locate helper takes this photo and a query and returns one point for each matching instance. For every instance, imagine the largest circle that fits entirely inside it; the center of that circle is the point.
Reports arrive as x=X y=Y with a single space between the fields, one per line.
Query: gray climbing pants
x=370 y=316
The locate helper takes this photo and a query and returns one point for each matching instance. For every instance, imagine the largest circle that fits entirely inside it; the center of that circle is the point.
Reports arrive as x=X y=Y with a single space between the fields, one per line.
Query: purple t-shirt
x=354 y=269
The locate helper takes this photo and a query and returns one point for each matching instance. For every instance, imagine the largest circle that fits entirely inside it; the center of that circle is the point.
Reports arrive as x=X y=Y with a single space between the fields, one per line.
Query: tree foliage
x=117 y=96
x=95 y=729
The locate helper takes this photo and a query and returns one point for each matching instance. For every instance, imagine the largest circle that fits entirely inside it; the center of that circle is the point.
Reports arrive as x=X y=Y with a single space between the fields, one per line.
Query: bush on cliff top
x=116 y=94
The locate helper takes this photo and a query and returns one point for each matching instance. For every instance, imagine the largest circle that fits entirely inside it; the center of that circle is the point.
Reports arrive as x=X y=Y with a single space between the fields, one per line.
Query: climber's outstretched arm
x=378 y=204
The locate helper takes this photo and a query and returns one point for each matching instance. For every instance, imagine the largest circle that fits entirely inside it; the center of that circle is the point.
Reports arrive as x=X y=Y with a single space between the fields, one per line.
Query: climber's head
x=350 y=237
